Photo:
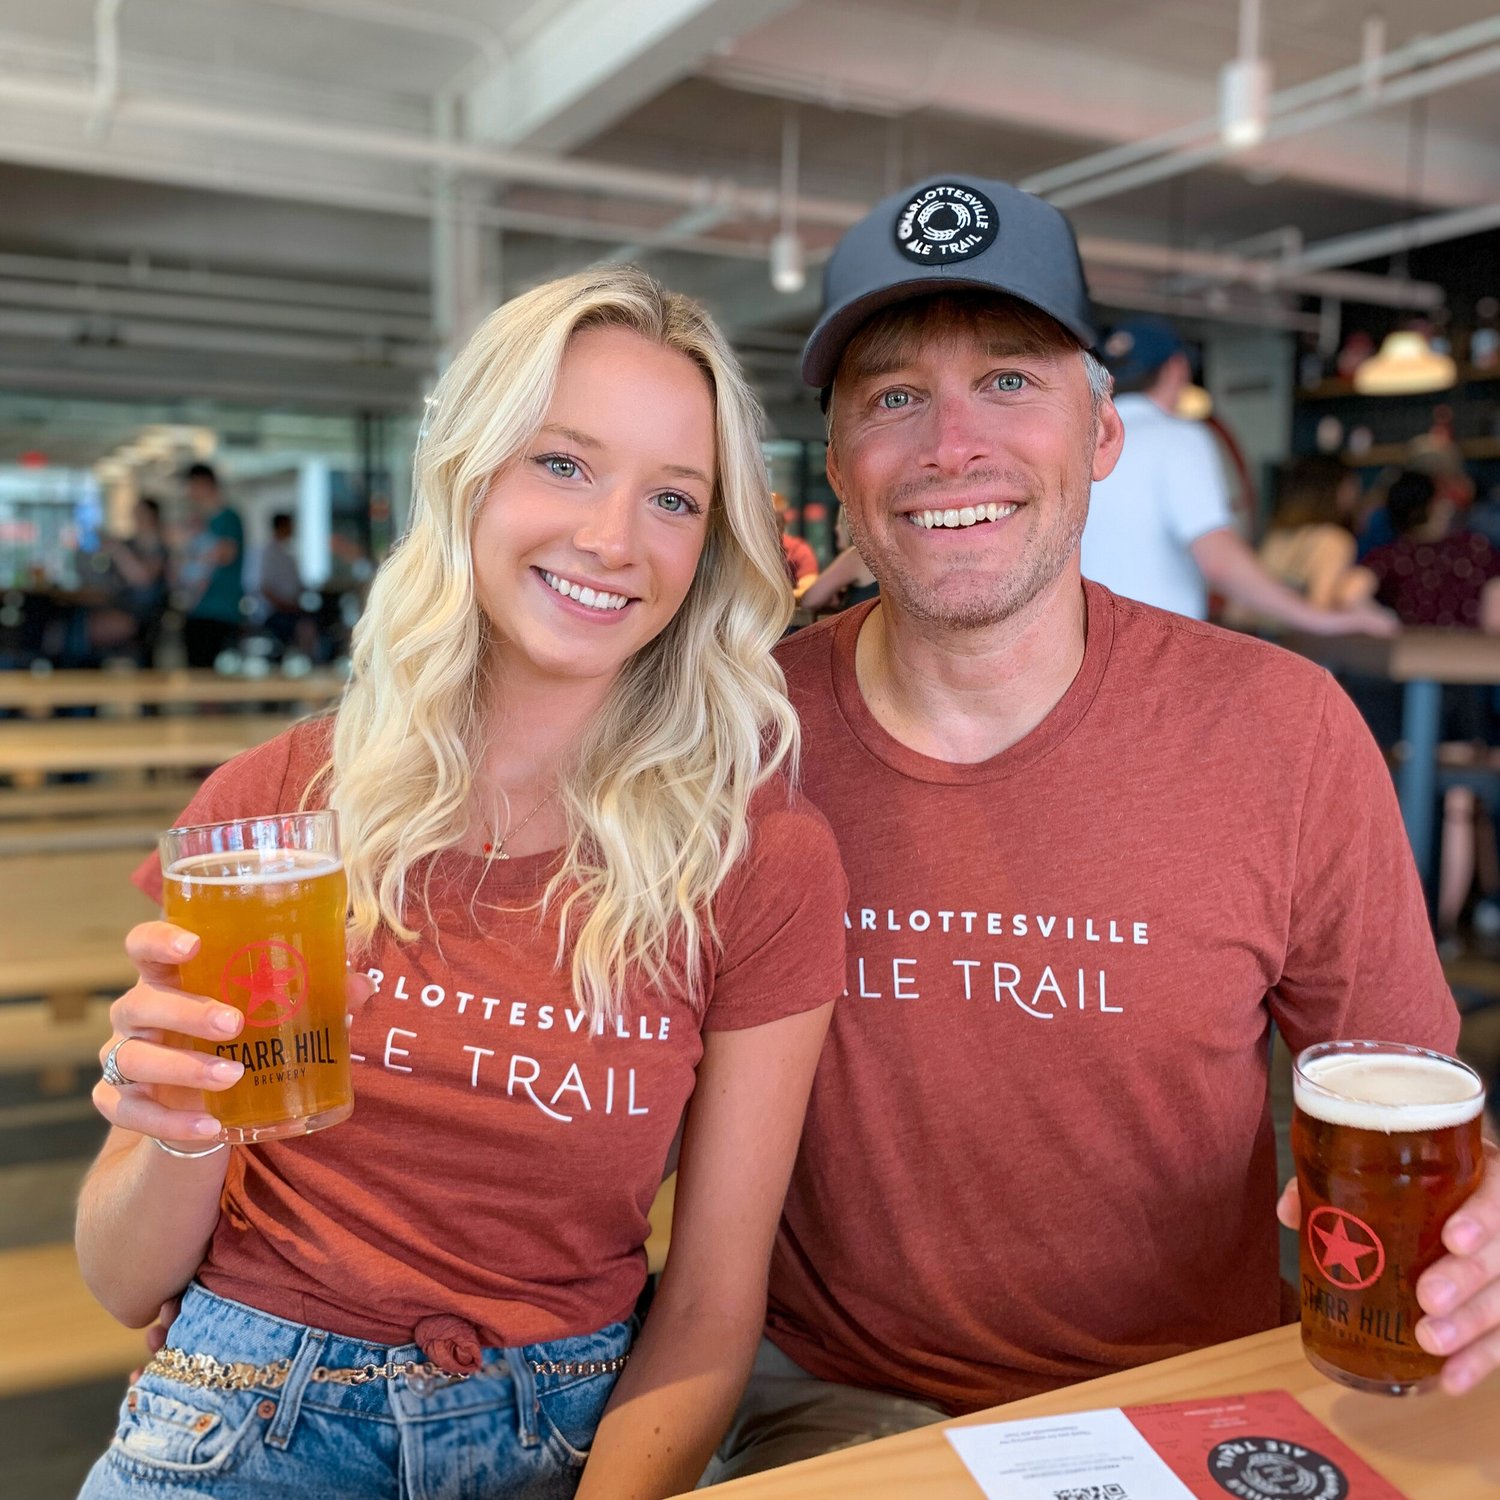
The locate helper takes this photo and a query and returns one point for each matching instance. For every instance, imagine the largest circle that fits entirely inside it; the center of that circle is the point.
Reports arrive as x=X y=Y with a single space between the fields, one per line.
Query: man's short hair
x=281 y=521
x=890 y=336
x=204 y=472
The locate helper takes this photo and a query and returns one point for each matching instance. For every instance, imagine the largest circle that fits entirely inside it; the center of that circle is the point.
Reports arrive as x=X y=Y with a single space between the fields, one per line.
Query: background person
x=212 y=569
x=845 y=582
x=1159 y=524
x=277 y=585
x=583 y=892
x=141 y=562
x=801 y=560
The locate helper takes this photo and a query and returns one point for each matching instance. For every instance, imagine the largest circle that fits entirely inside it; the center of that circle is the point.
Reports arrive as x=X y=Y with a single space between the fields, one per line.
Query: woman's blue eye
x=1010 y=382
x=894 y=400
x=564 y=468
x=676 y=504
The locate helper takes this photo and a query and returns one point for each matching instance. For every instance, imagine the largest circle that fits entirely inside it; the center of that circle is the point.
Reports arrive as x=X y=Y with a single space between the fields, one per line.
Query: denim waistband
x=233 y=1332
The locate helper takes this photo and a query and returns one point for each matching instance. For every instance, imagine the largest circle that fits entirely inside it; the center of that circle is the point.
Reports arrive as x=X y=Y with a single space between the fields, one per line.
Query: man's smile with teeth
x=966 y=515
x=593 y=598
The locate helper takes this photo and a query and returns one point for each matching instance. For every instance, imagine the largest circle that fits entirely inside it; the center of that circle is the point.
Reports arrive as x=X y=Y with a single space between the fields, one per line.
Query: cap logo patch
x=946 y=222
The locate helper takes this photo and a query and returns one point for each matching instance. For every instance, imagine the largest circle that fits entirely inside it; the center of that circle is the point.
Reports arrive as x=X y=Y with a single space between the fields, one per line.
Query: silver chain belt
x=207 y=1373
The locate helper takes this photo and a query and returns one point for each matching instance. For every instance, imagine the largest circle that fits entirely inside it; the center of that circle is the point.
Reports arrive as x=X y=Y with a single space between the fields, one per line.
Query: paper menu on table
x=1264 y=1446
x=1093 y=1455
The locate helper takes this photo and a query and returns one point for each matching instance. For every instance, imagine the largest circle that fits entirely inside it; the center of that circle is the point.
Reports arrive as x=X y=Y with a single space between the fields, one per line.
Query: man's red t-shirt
x=1039 y=1146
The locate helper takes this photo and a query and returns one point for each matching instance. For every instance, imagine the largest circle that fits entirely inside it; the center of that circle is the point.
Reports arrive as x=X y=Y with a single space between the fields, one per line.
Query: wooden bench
x=35 y=1039
x=60 y=835
x=66 y=916
x=52 y=1332
x=159 y=800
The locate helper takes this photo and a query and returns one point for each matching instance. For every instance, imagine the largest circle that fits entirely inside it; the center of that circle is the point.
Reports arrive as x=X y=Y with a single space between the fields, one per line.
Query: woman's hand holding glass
x=165 y=1079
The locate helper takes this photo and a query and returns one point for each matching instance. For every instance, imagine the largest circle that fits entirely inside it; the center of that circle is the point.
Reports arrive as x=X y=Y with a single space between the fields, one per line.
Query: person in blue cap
x=1094 y=850
x=1160 y=527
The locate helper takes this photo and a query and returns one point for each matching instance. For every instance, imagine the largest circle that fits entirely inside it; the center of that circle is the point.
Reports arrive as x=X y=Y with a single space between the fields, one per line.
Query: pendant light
x=1406 y=364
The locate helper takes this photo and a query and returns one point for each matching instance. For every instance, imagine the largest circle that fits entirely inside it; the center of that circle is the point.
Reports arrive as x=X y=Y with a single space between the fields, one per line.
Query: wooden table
x=1430 y=1448
x=34 y=746
x=1422 y=660
x=66 y=916
x=41 y=692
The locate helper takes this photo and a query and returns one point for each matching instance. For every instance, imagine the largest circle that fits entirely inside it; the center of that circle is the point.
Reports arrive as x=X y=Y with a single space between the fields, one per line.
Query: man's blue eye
x=1010 y=382
x=894 y=400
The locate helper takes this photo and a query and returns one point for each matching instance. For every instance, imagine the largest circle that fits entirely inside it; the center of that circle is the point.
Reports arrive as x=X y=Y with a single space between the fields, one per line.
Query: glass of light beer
x=267 y=900
x=1386 y=1140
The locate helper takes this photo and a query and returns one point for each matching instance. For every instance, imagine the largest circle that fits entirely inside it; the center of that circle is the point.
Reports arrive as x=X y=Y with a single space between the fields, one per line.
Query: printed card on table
x=1264 y=1446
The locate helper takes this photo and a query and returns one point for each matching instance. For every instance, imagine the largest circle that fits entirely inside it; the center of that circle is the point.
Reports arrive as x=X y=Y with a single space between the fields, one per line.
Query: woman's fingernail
x=206 y=1125
x=182 y=946
x=226 y=1019
x=1441 y=1295
x=1439 y=1334
x=225 y=1068
x=1463 y=1235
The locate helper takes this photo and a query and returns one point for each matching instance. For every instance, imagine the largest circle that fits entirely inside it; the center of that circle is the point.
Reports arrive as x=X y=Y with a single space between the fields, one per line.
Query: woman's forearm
x=144 y=1222
x=672 y=1404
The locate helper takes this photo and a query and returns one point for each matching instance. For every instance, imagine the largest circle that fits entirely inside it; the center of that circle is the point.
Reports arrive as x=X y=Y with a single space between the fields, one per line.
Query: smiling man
x=1094 y=850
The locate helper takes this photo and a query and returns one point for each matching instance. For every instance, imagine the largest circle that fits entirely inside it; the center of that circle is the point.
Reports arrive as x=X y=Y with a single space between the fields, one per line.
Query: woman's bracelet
x=190 y=1155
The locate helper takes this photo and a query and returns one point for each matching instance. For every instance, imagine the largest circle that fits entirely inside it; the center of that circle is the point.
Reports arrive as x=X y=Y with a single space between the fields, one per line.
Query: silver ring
x=112 y=1073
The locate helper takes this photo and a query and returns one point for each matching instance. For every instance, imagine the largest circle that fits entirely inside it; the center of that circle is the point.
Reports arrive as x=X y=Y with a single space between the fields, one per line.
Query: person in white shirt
x=1159 y=527
x=277 y=584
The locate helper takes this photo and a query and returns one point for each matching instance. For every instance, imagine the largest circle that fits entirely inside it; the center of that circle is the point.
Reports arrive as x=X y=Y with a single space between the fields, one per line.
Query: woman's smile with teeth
x=593 y=598
x=967 y=515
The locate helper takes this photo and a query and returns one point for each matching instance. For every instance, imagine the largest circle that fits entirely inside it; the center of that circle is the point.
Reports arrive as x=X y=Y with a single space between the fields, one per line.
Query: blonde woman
x=583 y=891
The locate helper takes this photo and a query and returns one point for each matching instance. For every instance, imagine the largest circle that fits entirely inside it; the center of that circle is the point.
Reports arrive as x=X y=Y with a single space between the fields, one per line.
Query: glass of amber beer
x=267 y=900
x=1386 y=1140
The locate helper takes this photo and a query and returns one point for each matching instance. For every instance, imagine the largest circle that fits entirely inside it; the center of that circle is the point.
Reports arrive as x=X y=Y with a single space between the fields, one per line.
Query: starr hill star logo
x=1340 y=1243
x=268 y=981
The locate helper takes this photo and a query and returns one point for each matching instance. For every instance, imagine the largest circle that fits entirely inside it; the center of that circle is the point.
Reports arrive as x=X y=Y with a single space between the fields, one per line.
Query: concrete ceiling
x=236 y=199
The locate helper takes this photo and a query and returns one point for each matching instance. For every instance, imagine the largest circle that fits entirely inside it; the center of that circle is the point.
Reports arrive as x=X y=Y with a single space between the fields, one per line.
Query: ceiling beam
x=596 y=60
x=837 y=54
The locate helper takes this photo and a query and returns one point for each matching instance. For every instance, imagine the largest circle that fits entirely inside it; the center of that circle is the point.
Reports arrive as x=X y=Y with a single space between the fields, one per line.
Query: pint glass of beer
x=1386 y=1140
x=267 y=900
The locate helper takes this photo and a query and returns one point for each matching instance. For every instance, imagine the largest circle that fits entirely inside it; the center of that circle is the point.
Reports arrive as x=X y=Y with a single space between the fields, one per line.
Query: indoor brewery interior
x=855 y=642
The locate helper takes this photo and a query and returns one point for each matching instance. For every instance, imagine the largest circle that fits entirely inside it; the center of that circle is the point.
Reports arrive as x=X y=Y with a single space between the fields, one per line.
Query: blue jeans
x=505 y=1434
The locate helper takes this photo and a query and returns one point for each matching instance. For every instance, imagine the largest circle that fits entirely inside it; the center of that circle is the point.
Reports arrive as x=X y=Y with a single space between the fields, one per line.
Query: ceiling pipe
x=144 y=275
x=531 y=168
x=1369 y=76
x=189 y=308
x=1349 y=249
x=1412 y=86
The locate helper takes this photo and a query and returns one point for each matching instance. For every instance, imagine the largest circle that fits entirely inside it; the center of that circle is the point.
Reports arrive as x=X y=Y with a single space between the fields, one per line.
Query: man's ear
x=1109 y=439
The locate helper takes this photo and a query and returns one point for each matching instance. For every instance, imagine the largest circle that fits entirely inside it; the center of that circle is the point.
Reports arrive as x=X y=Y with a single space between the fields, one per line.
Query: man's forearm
x=1232 y=569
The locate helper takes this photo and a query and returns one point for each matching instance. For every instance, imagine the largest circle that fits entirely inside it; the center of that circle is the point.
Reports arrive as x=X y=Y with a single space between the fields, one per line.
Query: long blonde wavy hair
x=656 y=796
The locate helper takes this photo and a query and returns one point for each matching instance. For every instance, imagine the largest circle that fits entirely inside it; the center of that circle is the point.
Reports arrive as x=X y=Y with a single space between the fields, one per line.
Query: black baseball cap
x=949 y=233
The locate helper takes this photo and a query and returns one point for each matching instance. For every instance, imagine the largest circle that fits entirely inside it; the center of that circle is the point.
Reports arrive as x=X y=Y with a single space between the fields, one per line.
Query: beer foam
x=252 y=867
x=1386 y=1091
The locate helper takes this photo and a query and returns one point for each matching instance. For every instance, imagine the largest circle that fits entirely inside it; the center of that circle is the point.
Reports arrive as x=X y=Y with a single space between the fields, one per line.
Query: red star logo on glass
x=1341 y=1244
x=268 y=981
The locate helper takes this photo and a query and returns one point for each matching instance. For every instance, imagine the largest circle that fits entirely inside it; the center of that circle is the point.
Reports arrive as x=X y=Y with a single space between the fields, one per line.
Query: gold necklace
x=497 y=848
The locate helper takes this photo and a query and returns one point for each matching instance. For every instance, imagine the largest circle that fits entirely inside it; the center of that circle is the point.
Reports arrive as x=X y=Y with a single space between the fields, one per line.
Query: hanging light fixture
x=788 y=264
x=1194 y=404
x=1245 y=86
x=1406 y=364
